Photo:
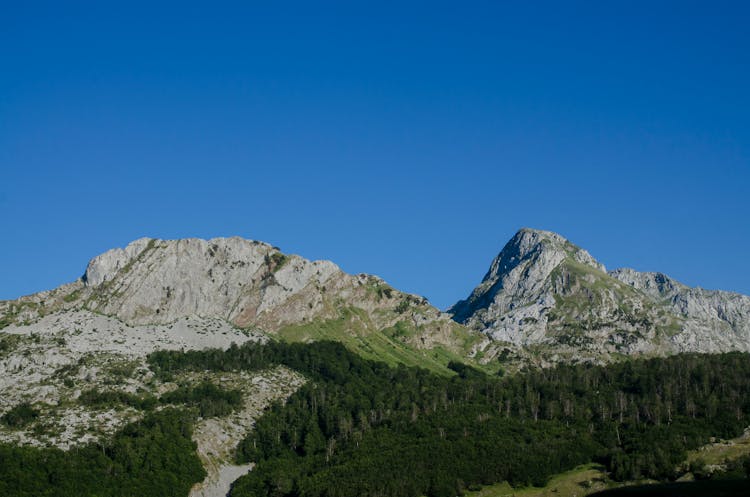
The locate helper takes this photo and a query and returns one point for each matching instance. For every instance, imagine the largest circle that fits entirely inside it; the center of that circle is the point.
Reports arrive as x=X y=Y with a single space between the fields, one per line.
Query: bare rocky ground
x=545 y=295
x=49 y=362
x=217 y=438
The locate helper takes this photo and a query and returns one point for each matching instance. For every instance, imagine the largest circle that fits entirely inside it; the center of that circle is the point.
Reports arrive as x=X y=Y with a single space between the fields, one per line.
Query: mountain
x=712 y=320
x=254 y=287
x=549 y=297
x=75 y=367
x=75 y=358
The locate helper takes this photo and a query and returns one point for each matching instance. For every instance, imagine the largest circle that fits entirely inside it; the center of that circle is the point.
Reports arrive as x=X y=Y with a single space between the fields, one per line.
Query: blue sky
x=408 y=140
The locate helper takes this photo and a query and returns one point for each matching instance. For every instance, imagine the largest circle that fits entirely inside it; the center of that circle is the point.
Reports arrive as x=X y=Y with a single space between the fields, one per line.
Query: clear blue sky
x=408 y=140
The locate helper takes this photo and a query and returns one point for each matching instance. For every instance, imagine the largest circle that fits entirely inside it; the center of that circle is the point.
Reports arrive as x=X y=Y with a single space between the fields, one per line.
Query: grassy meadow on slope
x=393 y=345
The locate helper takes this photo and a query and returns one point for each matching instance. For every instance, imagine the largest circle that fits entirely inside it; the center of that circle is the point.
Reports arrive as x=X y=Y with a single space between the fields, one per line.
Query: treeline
x=646 y=413
x=363 y=428
x=209 y=399
x=152 y=457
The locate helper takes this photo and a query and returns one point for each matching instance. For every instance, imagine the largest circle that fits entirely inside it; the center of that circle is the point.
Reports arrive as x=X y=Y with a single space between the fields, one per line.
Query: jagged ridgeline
x=551 y=301
x=543 y=301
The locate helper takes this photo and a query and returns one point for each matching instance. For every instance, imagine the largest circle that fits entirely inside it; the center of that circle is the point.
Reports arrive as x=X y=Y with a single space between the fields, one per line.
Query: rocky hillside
x=712 y=320
x=554 y=300
x=73 y=359
x=252 y=286
x=543 y=300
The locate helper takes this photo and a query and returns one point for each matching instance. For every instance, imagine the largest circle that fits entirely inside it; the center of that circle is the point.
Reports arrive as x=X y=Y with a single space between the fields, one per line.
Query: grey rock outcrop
x=516 y=286
x=249 y=284
x=241 y=281
x=545 y=292
x=712 y=320
x=189 y=294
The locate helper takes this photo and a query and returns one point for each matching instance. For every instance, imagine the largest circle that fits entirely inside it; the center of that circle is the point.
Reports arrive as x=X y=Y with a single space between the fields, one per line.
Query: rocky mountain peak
x=527 y=240
x=106 y=265
x=520 y=271
x=248 y=284
x=188 y=253
x=536 y=253
x=239 y=280
x=544 y=291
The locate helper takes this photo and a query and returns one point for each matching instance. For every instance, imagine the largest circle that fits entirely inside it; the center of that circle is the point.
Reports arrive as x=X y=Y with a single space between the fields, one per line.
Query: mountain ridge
x=542 y=290
x=542 y=300
x=251 y=285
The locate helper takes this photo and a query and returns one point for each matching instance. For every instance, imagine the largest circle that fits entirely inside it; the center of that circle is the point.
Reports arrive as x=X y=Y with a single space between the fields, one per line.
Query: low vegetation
x=20 y=415
x=393 y=345
x=718 y=488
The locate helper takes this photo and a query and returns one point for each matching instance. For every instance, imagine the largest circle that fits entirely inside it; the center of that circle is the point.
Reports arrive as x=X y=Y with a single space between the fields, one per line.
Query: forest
x=153 y=457
x=361 y=427
x=364 y=428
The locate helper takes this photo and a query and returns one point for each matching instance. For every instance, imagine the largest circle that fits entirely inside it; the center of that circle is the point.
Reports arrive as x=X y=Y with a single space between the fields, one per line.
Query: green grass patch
x=72 y=296
x=354 y=329
x=583 y=480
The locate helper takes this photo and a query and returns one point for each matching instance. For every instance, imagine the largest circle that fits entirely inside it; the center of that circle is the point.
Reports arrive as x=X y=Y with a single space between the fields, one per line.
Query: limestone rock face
x=188 y=294
x=241 y=281
x=518 y=276
x=109 y=263
x=246 y=283
x=712 y=320
x=543 y=300
x=542 y=291
x=514 y=299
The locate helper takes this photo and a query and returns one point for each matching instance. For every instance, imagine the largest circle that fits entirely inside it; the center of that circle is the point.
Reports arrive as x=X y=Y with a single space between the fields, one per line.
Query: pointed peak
x=543 y=234
x=521 y=271
x=528 y=241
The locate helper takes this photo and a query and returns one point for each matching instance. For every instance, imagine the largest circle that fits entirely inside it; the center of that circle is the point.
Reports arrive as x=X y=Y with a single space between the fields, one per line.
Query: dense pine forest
x=364 y=428
x=153 y=457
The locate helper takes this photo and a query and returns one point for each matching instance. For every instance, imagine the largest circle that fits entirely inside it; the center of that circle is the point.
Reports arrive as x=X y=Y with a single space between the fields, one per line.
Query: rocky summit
x=543 y=300
x=548 y=297
x=76 y=351
x=249 y=286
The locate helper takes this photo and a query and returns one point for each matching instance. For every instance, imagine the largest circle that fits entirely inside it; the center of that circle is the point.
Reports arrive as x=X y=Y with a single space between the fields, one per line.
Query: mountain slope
x=712 y=320
x=251 y=285
x=551 y=297
x=91 y=337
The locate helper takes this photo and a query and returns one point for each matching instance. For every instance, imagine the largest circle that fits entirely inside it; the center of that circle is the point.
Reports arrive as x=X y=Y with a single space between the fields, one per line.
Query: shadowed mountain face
x=542 y=291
